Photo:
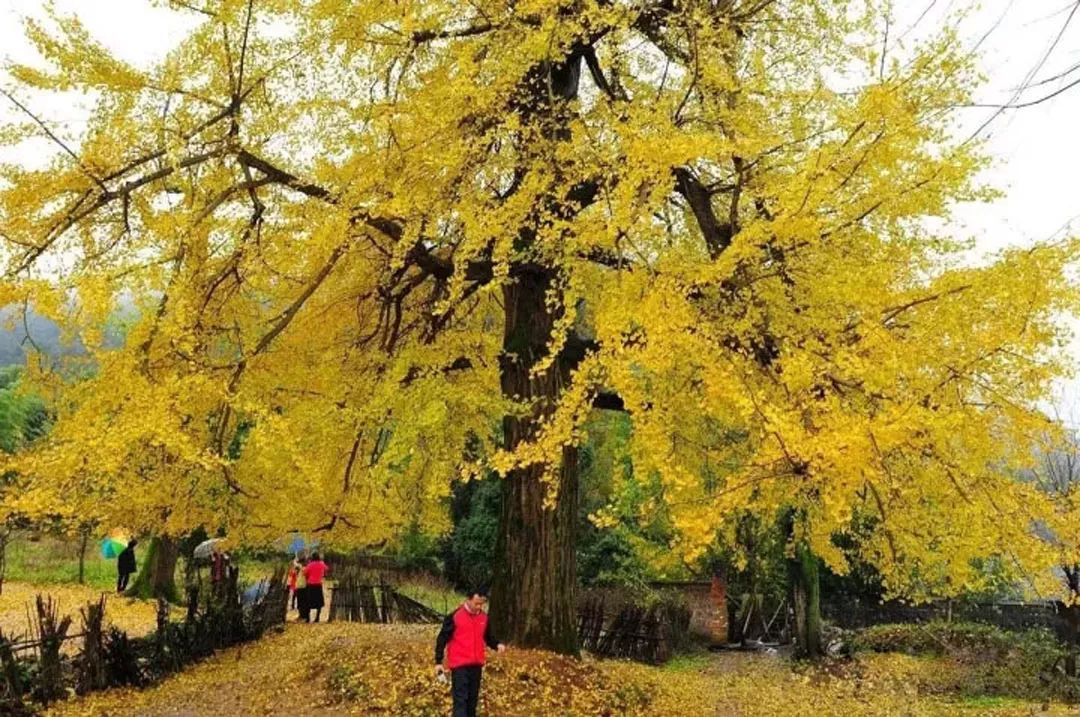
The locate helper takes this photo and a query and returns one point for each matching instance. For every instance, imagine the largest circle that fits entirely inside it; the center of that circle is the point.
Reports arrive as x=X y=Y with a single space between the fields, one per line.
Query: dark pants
x=122 y=582
x=312 y=599
x=465 y=686
x=302 y=604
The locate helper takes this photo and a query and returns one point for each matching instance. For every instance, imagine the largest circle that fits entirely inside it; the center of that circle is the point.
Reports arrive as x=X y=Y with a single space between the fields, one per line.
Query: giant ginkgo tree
x=366 y=248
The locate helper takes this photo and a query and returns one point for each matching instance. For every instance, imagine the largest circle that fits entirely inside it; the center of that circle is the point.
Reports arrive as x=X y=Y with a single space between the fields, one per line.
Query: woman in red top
x=313 y=574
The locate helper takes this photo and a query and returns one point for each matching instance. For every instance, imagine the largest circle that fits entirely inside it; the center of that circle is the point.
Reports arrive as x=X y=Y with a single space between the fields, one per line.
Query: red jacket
x=463 y=636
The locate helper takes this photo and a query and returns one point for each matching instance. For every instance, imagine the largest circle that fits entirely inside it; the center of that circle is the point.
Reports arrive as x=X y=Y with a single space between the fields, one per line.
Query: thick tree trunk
x=535 y=575
x=533 y=604
x=157 y=575
x=1072 y=617
x=806 y=602
x=1072 y=620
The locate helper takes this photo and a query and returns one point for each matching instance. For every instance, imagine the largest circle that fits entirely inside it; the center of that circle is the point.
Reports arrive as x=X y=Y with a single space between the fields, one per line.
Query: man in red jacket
x=464 y=635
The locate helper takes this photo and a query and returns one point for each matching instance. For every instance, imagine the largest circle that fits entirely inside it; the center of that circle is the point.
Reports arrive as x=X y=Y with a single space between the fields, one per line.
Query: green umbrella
x=112 y=546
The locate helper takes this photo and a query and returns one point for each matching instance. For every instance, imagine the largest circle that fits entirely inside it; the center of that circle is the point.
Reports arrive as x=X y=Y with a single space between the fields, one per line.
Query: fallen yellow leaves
x=386 y=670
x=136 y=617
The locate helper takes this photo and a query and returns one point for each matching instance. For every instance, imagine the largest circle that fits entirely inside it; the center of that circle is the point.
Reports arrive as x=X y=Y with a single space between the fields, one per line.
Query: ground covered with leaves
x=136 y=617
x=386 y=670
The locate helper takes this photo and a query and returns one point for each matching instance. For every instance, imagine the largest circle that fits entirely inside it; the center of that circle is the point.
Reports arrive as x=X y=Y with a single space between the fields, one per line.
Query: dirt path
x=386 y=670
x=267 y=677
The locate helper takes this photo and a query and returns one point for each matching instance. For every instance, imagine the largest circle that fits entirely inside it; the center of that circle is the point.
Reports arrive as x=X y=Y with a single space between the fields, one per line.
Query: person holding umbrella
x=300 y=593
x=220 y=570
x=125 y=565
x=294 y=575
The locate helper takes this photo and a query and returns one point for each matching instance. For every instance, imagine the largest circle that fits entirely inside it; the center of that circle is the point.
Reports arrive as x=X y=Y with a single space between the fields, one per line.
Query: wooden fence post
x=11 y=694
x=51 y=631
x=90 y=670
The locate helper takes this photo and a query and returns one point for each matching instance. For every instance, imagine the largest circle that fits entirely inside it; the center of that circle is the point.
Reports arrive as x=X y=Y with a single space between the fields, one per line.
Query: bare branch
x=243 y=53
x=892 y=313
x=422 y=36
x=49 y=133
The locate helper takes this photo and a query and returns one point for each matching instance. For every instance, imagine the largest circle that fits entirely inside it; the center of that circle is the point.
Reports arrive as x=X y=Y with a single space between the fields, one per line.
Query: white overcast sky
x=1036 y=149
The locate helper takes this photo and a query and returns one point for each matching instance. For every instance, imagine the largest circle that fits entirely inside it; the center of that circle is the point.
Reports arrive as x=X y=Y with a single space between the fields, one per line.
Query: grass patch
x=692 y=662
x=252 y=569
x=436 y=594
x=49 y=560
x=986 y=702
x=970 y=661
x=54 y=560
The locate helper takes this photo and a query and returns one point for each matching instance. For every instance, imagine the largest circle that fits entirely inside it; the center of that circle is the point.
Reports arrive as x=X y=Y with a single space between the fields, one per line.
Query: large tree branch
x=51 y=135
x=186 y=136
x=346 y=485
x=888 y=315
x=421 y=36
x=282 y=321
x=652 y=22
x=717 y=234
x=285 y=178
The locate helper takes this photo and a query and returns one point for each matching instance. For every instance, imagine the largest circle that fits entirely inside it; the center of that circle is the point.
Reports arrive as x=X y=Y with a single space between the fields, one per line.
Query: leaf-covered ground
x=137 y=617
x=386 y=670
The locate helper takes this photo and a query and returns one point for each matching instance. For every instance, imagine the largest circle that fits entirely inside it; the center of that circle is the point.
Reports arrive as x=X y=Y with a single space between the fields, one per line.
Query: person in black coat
x=125 y=566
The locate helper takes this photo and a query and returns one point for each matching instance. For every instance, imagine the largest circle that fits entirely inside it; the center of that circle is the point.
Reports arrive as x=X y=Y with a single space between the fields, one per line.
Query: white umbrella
x=203 y=549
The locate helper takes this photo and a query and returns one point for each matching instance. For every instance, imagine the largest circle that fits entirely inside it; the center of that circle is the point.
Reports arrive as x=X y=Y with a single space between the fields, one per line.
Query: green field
x=49 y=560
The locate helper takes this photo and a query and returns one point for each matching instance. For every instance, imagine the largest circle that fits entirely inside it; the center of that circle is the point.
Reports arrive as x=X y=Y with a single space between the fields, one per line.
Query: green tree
x=23 y=420
x=470 y=546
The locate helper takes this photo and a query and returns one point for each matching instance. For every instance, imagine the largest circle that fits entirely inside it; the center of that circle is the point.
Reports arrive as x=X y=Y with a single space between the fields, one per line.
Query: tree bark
x=1071 y=611
x=157 y=575
x=1072 y=620
x=803 y=572
x=535 y=575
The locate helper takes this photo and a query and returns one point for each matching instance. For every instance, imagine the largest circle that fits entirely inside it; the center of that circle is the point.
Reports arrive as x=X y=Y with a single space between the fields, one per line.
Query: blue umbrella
x=297 y=543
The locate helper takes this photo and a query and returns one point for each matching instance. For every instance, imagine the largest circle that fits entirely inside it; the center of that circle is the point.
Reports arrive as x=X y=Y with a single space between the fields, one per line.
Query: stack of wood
x=611 y=625
x=90 y=671
x=356 y=597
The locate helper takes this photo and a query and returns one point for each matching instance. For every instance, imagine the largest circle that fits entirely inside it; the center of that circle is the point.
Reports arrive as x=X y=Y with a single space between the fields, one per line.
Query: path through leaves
x=351 y=669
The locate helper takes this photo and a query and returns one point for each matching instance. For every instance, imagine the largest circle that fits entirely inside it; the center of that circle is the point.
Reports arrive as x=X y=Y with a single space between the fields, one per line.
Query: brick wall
x=708 y=607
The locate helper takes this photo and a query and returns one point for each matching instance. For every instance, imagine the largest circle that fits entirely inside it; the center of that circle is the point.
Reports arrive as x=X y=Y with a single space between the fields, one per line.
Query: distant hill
x=45 y=335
